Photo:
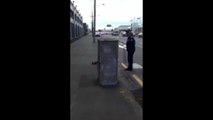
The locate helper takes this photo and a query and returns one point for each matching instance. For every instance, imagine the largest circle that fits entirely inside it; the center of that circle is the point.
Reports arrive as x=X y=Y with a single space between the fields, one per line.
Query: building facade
x=85 y=26
x=76 y=22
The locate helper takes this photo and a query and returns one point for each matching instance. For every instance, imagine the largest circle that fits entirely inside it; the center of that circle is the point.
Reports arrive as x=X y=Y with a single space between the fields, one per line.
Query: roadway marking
x=137 y=66
x=124 y=65
x=139 y=81
x=121 y=45
x=136 y=78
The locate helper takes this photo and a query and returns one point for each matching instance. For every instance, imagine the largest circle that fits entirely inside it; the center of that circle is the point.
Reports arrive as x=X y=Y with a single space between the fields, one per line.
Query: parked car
x=102 y=33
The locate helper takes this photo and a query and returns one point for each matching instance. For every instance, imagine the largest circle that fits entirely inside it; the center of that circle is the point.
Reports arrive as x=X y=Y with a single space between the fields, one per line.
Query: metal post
x=92 y=25
x=134 y=25
x=139 y=25
x=94 y=20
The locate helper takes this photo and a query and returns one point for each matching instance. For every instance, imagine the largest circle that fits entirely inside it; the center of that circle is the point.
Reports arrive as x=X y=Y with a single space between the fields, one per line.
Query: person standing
x=130 y=46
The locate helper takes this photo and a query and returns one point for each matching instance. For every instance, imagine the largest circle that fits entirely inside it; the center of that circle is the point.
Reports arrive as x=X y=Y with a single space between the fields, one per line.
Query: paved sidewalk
x=90 y=101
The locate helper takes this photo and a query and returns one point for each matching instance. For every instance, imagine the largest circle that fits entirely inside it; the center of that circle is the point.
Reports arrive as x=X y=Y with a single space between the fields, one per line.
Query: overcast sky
x=114 y=12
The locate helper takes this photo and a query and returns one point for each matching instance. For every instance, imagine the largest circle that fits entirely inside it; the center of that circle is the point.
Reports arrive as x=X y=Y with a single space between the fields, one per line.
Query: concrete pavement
x=90 y=101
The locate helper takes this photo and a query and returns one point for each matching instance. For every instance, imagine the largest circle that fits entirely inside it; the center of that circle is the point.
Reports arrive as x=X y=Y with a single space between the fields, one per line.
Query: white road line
x=135 y=66
x=121 y=45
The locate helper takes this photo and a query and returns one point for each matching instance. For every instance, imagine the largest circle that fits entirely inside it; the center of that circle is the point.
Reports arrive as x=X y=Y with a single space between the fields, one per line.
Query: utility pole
x=92 y=25
x=138 y=25
x=133 y=26
x=94 y=20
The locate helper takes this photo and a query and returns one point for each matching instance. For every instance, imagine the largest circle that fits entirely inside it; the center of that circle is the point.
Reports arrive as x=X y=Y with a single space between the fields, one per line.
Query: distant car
x=97 y=34
x=124 y=34
x=102 y=33
x=140 y=34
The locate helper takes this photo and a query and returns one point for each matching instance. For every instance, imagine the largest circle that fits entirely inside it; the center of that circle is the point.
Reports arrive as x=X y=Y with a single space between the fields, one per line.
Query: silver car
x=97 y=34
x=140 y=34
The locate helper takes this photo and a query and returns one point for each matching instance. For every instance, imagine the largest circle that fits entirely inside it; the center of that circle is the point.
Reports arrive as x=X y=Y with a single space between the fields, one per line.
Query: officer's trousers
x=130 y=59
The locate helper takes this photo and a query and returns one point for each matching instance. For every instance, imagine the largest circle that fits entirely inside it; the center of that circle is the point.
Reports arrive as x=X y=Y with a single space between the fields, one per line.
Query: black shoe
x=128 y=69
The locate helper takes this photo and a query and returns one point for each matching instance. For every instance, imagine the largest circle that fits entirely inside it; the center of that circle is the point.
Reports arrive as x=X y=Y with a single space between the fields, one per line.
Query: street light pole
x=138 y=23
x=134 y=25
x=94 y=23
x=94 y=19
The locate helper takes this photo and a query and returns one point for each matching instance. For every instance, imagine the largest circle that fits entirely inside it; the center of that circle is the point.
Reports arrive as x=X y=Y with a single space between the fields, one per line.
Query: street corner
x=133 y=77
x=132 y=83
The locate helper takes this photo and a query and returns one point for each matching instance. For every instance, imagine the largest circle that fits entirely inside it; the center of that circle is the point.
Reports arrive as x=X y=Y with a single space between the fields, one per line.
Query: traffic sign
x=108 y=25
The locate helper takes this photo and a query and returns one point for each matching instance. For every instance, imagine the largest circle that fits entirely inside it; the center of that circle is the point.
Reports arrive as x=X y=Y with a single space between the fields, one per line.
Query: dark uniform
x=130 y=45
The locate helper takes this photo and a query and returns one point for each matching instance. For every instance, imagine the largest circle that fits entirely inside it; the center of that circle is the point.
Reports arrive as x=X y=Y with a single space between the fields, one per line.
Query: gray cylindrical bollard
x=108 y=61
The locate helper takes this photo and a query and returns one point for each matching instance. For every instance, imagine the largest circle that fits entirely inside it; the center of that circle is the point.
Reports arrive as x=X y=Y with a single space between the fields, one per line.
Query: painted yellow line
x=138 y=79
x=124 y=65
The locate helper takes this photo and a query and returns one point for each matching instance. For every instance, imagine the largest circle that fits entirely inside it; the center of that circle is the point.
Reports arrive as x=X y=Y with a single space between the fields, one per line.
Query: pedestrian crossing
x=135 y=66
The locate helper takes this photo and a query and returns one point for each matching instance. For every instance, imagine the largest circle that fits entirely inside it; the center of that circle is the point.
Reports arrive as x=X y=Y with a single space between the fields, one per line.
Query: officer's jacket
x=130 y=44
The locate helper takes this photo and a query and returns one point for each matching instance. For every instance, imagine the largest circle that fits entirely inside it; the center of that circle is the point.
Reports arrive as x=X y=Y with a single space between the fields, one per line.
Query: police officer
x=130 y=45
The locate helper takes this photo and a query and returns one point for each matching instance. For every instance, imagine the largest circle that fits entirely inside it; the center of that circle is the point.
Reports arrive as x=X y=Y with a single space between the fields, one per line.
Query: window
x=72 y=14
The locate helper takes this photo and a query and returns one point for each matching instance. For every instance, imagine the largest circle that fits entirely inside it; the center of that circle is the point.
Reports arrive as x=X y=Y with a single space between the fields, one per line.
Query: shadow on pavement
x=138 y=94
